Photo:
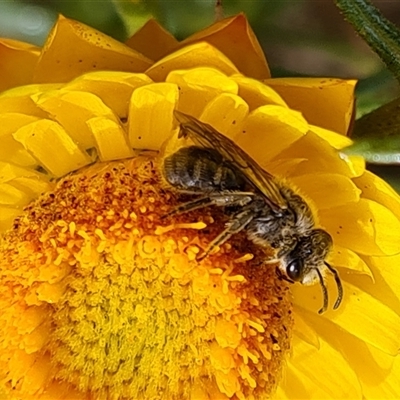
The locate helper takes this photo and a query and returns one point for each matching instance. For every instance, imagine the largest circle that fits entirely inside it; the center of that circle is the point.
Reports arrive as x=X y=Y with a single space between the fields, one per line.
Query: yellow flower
x=102 y=298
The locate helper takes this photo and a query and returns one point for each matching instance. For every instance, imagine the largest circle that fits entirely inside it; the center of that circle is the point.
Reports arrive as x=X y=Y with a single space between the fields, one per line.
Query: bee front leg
x=237 y=224
x=214 y=199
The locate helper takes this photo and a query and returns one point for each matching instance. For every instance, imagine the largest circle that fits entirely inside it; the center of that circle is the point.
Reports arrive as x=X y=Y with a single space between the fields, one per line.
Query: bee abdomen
x=195 y=168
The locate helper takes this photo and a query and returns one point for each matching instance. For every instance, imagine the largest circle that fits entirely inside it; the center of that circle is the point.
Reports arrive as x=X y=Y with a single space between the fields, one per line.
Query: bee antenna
x=324 y=292
x=338 y=284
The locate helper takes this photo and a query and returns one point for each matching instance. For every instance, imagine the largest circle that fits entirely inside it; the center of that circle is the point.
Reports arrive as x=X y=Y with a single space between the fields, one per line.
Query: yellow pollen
x=103 y=297
x=244 y=258
x=160 y=230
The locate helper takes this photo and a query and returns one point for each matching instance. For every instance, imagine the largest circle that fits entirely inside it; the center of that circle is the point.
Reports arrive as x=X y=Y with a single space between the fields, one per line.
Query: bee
x=221 y=174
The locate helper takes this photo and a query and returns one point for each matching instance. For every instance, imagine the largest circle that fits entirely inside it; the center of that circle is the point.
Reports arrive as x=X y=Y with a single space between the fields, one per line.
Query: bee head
x=307 y=256
x=306 y=261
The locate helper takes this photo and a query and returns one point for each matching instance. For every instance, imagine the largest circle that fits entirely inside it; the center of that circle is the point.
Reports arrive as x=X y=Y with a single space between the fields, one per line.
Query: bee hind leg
x=237 y=224
x=218 y=199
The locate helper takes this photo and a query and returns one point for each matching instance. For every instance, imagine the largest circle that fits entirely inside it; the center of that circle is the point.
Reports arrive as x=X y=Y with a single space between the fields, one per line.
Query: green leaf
x=381 y=35
x=377 y=135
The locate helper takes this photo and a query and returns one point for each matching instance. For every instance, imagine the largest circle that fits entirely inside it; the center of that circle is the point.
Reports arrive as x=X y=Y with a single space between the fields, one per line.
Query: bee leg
x=219 y=200
x=237 y=224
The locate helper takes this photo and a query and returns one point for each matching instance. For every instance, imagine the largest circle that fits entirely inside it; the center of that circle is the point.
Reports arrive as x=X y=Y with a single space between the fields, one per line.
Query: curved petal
x=386 y=284
x=20 y=190
x=344 y=258
x=318 y=155
x=255 y=93
x=151 y=115
x=305 y=331
x=285 y=167
x=375 y=188
x=270 y=129
x=114 y=88
x=365 y=227
x=360 y=314
x=319 y=374
x=196 y=55
x=111 y=139
x=199 y=86
x=10 y=173
x=387 y=388
x=326 y=102
x=334 y=139
x=11 y=150
x=226 y=113
x=327 y=190
x=152 y=40
x=18 y=100
x=71 y=110
x=87 y=50
x=356 y=164
x=7 y=216
x=44 y=139
x=18 y=61
x=235 y=38
x=375 y=369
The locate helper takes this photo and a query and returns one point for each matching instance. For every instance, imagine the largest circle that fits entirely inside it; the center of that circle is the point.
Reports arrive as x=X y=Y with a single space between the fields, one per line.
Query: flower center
x=107 y=297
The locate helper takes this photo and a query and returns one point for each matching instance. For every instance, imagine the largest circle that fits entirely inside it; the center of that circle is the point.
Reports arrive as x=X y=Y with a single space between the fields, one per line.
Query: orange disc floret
x=103 y=298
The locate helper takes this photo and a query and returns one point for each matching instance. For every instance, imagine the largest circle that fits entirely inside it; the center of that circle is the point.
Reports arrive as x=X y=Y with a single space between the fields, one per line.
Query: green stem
x=382 y=36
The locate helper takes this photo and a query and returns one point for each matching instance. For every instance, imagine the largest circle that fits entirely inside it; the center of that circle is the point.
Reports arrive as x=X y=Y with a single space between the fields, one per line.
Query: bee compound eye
x=294 y=269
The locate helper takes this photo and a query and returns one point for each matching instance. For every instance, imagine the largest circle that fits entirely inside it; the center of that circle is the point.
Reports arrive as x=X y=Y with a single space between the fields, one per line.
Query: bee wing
x=206 y=136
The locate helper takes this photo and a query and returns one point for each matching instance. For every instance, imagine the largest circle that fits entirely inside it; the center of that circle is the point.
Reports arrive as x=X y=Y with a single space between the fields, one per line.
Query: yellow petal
x=326 y=102
x=22 y=363
x=356 y=164
x=318 y=156
x=152 y=40
x=71 y=110
x=18 y=100
x=151 y=115
x=18 y=186
x=256 y=93
x=321 y=374
x=192 y=56
x=11 y=150
x=386 y=386
x=9 y=172
x=198 y=86
x=334 y=139
x=375 y=188
x=33 y=186
x=360 y=314
x=114 y=88
x=226 y=113
x=365 y=227
x=270 y=129
x=305 y=331
x=7 y=216
x=341 y=257
x=52 y=147
x=11 y=196
x=18 y=62
x=285 y=167
x=73 y=48
x=372 y=366
x=235 y=38
x=327 y=190
x=386 y=284
x=35 y=377
x=111 y=139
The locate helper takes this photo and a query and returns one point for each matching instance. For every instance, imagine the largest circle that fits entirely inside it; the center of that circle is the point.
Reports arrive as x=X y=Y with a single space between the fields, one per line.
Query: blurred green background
x=299 y=37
